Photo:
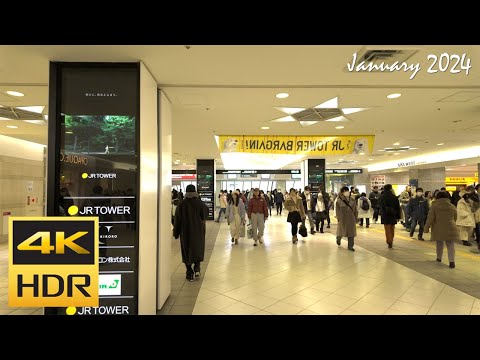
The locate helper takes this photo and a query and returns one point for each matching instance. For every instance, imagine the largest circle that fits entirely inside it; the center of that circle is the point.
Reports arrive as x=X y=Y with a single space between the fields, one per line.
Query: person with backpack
x=364 y=209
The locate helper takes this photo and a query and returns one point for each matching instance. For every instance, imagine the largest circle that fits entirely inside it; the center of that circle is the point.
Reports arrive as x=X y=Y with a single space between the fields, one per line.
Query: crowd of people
x=451 y=217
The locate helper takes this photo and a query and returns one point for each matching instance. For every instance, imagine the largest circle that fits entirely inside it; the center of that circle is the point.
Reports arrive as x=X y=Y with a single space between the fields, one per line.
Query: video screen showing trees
x=100 y=134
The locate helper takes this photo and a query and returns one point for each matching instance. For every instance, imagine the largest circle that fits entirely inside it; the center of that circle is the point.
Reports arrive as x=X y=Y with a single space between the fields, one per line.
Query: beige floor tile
x=240 y=309
x=476 y=303
x=5 y=312
x=22 y=312
x=203 y=309
x=299 y=300
x=314 y=293
x=219 y=302
x=447 y=309
x=409 y=308
x=377 y=300
x=259 y=301
x=324 y=308
x=220 y=313
x=281 y=308
x=307 y=312
x=394 y=312
x=475 y=311
x=339 y=300
x=350 y=312
x=205 y=294
x=240 y=293
x=366 y=308
x=262 y=312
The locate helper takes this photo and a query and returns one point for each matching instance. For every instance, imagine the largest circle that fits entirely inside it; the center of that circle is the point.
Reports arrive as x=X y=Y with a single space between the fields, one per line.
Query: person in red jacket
x=258 y=214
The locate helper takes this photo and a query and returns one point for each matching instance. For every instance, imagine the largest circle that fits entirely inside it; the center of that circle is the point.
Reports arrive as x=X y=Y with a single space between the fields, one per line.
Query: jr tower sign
x=93 y=170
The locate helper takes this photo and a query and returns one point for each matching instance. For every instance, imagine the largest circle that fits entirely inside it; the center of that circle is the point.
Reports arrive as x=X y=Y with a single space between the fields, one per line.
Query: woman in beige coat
x=442 y=218
x=465 y=218
x=347 y=214
x=296 y=212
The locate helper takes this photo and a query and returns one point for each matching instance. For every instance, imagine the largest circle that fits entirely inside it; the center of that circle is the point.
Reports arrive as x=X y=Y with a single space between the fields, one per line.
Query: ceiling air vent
x=19 y=114
x=388 y=56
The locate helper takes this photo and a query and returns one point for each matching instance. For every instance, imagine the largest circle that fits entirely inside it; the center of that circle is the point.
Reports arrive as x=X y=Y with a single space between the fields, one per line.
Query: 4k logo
x=64 y=252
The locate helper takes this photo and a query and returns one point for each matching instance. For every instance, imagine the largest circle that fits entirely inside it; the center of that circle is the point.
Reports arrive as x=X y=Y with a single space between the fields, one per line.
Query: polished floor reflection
x=315 y=276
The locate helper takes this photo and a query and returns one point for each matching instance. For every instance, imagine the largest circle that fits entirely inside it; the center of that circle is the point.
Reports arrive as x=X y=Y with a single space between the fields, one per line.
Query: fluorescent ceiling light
x=307 y=123
x=329 y=104
x=347 y=111
x=370 y=159
x=2 y=118
x=362 y=153
x=284 y=119
x=282 y=95
x=440 y=144
x=35 y=109
x=68 y=132
x=339 y=127
x=396 y=143
x=46 y=117
x=289 y=110
x=396 y=154
x=338 y=118
x=265 y=127
x=15 y=93
x=12 y=126
x=394 y=96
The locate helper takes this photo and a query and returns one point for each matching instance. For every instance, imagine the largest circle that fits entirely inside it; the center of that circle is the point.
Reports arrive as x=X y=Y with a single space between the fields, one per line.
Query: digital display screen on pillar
x=94 y=129
x=206 y=185
x=316 y=174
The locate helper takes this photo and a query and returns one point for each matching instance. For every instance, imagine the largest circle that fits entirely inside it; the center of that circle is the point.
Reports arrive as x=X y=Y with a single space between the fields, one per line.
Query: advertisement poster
x=377 y=180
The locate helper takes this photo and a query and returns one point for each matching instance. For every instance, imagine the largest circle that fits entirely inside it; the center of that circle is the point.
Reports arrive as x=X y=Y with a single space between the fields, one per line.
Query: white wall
x=22 y=175
x=164 y=284
x=148 y=203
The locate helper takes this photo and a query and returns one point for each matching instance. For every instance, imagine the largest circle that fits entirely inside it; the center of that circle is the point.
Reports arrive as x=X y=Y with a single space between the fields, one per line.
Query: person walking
x=223 y=204
x=418 y=209
x=258 y=214
x=236 y=217
x=296 y=212
x=190 y=226
x=308 y=202
x=347 y=214
x=364 y=207
x=465 y=218
x=390 y=212
x=279 y=200
x=442 y=219
x=322 y=208
x=374 y=198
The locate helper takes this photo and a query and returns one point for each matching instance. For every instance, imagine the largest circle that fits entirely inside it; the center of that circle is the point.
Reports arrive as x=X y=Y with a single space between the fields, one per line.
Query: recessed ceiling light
x=12 y=126
x=396 y=144
x=381 y=150
x=36 y=109
x=282 y=95
x=449 y=169
x=370 y=159
x=440 y=144
x=68 y=132
x=339 y=127
x=396 y=154
x=15 y=93
x=340 y=159
x=394 y=96
x=265 y=127
x=362 y=153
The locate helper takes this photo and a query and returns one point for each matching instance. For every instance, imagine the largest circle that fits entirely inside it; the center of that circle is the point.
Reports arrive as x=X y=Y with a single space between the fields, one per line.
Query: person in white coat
x=364 y=207
x=236 y=217
x=465 y=218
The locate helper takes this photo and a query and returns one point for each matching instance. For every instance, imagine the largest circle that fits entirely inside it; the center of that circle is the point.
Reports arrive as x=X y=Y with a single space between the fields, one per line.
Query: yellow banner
x=461 y=180
x=296 y=145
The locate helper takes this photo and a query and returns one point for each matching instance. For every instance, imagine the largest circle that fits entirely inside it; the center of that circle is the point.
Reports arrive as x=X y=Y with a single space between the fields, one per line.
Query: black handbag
x=303 y=230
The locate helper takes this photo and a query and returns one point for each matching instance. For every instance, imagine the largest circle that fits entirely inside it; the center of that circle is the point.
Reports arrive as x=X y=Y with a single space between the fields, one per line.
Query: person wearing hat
x=465 y=218
x=258 y=214
x=189 y=225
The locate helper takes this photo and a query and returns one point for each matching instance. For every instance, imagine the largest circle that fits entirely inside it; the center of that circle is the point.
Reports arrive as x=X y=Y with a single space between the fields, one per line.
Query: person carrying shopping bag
x=296 y=212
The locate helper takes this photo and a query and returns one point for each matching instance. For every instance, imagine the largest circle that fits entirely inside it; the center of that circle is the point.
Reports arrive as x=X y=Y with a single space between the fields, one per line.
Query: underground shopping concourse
x=239 y=180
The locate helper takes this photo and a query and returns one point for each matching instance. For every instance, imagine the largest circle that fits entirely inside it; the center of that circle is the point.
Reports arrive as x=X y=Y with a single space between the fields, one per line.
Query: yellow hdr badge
x=53 y=262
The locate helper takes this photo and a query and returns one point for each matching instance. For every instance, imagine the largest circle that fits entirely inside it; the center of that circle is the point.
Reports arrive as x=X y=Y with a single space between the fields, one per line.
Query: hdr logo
x=53 y=262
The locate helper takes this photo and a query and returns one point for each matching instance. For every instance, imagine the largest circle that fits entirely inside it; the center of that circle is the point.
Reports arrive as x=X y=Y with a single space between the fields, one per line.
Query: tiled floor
x=316 y=276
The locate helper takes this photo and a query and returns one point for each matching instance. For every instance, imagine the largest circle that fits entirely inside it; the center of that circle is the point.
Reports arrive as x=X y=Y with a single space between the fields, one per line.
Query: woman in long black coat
x=390 y=212
x=189 y=225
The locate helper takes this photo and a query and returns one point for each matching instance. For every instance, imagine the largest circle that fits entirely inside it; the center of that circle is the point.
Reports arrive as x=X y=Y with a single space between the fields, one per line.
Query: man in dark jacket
x=374 y=198
x=418 y=209
x=279 y=200
x=390 y=212
x=190 y=219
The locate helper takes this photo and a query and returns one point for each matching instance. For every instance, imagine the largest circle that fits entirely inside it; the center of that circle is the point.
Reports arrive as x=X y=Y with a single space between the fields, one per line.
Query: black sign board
x=316 y=174
x=206 y=185
x=93 y=169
